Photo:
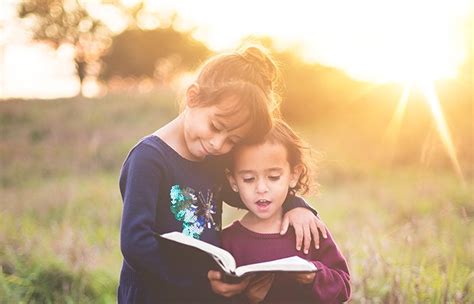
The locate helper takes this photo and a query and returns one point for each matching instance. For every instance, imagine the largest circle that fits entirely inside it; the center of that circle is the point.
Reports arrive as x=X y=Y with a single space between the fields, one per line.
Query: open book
x=227 y=262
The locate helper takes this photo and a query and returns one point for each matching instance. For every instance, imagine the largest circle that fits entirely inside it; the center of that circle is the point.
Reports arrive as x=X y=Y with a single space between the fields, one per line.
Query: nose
x=262 y=186
x=217 y=142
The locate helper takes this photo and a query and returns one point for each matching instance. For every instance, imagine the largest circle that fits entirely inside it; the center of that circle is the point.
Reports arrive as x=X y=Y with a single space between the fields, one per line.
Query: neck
x=173 y=135
x=267 y=225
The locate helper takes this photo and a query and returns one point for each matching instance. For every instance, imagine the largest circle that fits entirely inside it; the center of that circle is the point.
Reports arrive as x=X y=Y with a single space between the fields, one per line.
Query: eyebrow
x=266 y=170
x=274 y=169
x=245 y=171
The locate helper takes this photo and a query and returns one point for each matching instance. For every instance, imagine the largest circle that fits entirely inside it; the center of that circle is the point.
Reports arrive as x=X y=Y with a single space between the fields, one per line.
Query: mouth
x=204 y=149
x=263 y=204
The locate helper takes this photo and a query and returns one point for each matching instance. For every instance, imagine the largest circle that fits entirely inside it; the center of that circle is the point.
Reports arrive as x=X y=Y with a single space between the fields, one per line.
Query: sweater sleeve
x=332 y=279
x=140 y=180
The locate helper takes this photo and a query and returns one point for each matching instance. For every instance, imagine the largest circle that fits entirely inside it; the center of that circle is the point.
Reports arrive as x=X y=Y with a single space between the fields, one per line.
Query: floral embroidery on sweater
x=194 y=209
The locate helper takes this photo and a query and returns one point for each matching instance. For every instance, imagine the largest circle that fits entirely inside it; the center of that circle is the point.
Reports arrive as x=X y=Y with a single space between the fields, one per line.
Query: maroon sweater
x=332 y=280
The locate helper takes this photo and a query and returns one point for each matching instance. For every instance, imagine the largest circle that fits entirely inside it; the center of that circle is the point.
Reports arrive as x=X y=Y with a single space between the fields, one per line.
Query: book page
x=293 y=263
x=221 y=256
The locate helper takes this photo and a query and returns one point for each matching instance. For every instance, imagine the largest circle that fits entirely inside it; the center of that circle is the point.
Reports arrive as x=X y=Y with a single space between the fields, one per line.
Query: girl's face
x=262 y=175
x=211 y=130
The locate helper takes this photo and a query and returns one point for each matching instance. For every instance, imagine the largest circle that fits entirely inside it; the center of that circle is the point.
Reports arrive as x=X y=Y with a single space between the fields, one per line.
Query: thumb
x=214 y=275
x=284 y=225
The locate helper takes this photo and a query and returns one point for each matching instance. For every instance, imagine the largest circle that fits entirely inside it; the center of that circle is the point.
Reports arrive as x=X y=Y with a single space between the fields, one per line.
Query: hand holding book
x=259 y=286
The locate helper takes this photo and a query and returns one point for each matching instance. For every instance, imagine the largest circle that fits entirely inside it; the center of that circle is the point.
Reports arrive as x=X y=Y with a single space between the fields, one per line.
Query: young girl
x=264 y=174
x=171 y=179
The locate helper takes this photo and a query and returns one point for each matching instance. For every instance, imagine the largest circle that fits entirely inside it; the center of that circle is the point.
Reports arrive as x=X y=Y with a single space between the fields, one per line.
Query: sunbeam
x=429 y=92
x=393 y=129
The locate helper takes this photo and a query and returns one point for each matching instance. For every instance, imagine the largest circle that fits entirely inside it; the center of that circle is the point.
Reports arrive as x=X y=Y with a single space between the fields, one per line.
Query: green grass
x=406 y=228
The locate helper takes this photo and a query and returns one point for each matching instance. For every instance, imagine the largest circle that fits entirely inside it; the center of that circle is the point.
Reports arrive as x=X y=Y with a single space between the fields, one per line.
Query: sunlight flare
x=429 y=92
x=393 y=129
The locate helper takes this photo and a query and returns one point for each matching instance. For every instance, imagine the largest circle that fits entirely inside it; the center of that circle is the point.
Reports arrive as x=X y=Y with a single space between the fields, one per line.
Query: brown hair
x=251 y=75
x=298 y=153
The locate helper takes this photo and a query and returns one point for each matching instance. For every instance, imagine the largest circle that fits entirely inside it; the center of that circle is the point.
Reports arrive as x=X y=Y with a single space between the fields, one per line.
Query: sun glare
x=393 y=128
x=372 y=40
x=397 y=41
x=429 y=92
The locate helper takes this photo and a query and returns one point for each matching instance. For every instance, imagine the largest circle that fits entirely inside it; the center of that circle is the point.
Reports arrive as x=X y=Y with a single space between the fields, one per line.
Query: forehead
x=260 y=157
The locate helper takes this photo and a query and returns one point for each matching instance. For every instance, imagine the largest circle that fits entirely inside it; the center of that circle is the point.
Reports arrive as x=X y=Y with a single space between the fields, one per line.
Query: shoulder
x=146 y=159
x=231 y=231
x=232 y=228
x=149 y=149
x=230 y=235
x=150 y=144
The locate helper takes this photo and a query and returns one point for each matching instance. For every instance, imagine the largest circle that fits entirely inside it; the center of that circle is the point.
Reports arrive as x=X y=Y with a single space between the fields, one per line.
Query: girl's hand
x=258 y=287
x=305 y=224
x=224 y=289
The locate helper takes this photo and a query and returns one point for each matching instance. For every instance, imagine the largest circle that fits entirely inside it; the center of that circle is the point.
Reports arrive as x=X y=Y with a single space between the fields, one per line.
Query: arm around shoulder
x=294 y=201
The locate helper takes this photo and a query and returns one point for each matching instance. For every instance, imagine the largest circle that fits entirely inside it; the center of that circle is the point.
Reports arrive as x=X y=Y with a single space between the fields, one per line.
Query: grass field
x=406 y=228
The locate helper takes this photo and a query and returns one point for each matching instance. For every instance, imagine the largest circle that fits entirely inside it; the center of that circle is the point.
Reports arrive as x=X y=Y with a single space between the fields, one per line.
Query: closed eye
x=214 y=128
x=274 y=177
x=248 y=179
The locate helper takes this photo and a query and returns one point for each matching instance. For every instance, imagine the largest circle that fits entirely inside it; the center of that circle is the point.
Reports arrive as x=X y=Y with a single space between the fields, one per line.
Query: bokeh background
x=382 y=90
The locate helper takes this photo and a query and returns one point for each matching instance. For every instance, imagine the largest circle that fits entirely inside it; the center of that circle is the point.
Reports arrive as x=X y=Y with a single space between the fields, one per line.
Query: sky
x=372 y=40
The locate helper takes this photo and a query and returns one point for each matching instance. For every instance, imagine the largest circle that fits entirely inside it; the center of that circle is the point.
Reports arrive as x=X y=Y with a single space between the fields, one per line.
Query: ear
x=295 y=175
x=192 y=95
x=232 y=181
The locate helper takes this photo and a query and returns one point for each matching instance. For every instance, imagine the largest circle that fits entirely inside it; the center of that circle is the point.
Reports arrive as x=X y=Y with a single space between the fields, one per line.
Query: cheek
x=245 y=189
x=200 y=130
x=282 y=187
x=247 y=194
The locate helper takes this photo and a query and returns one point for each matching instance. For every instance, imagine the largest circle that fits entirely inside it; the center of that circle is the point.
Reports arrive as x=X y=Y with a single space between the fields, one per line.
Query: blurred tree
x=156 y=53
x=143 y=49
x=59 y=22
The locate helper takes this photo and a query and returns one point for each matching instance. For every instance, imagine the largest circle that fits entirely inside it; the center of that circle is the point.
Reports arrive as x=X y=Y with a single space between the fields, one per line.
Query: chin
x=264 y=216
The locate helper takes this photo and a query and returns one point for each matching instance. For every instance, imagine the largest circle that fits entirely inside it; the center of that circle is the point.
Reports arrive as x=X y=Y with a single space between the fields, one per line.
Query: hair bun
x=262 y=62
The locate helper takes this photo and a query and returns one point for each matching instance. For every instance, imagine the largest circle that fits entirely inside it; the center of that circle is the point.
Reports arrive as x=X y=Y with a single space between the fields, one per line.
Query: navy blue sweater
x=163 y=192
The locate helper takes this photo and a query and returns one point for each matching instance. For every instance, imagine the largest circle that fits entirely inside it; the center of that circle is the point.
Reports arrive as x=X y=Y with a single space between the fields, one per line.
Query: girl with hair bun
x=171 y=180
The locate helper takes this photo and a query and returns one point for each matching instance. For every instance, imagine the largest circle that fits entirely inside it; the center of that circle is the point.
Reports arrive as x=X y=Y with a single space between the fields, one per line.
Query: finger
x=214 y=275
x=261 y=279
x=307 y=238
x=315 y=233
x=229 y=290
x=298 y=278
x=299 y=236
x=269 y=279
x=261 y=289
x=284 y=225
x=238 y=288
x=306 y=278
x=322 y=227
x=325 y=232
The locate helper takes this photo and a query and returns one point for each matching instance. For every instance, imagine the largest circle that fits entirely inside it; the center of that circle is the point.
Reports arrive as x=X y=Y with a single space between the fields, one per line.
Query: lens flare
x=429 y=92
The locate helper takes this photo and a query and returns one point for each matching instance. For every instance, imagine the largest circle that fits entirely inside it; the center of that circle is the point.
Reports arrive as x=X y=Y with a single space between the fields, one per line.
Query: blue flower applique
x=194 y=210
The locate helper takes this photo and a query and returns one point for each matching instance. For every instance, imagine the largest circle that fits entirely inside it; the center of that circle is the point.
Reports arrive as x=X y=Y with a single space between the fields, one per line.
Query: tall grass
x=405 y=228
